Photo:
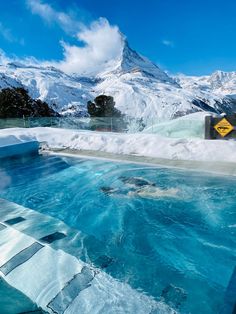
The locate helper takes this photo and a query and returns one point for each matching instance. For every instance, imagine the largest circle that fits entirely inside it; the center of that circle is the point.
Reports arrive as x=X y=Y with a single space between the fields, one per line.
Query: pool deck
x=219 y=168
x=47 y=269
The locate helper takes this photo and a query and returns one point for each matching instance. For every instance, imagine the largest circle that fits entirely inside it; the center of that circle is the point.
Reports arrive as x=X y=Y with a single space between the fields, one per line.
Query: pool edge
x=215 y=168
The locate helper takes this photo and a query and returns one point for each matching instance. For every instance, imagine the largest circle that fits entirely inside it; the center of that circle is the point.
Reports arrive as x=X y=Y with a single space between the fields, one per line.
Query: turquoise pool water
x=168 y=233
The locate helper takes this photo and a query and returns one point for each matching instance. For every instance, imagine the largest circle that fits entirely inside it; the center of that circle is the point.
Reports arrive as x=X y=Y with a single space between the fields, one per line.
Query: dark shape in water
x=20 y=258
x=50 y=238
x=136 y=181
x=72 y=289
x=107 y=190
x=14 y=221
x=174 y=296
x=104 y=261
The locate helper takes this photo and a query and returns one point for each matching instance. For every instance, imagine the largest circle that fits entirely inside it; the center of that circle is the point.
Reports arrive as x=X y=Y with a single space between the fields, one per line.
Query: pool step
x=71 y=290
x=20 y=258
x=14 y=221
x=58 y=282
x=50 y=238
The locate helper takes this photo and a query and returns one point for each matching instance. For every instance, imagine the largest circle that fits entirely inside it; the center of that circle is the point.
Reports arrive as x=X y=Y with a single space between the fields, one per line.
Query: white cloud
x=6 y=33
x=29 y=61
x=168 y=43
x=102 y=44
x=98 y=43
x=50 y=15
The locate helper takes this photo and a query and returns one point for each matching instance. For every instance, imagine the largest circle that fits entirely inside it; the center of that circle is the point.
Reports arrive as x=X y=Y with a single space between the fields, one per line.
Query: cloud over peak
x=102 y=44
x=99 y=43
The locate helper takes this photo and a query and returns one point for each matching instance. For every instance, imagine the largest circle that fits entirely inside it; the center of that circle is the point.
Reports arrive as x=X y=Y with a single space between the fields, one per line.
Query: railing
x=104 y=124
x=177 y=128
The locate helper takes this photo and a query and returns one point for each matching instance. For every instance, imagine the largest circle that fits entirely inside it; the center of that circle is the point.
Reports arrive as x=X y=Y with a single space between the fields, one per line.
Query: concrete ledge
x=17 y=149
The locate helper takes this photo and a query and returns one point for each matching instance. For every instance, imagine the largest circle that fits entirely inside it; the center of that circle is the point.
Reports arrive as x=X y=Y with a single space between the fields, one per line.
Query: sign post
x=220 y=127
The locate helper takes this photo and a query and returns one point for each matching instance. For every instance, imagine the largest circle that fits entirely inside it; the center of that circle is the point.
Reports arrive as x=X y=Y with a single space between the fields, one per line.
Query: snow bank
x=11 y=145
x=150 y=145
x=6 y=140
x=190 y=126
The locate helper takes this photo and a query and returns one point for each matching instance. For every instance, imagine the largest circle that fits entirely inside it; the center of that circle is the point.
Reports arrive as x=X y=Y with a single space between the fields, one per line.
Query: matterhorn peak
x=129 y=61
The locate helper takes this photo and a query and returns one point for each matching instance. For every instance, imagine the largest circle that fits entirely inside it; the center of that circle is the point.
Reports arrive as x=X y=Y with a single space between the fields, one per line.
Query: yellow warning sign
x=223 y=127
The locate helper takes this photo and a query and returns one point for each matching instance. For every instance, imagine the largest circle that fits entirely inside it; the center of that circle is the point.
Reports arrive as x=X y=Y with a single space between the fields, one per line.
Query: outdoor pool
x=168 y=233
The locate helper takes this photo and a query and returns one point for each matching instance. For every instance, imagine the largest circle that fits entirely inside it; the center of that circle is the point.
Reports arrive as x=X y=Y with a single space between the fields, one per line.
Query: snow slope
x=140 y=88
x=60 y=91
x=217 y=90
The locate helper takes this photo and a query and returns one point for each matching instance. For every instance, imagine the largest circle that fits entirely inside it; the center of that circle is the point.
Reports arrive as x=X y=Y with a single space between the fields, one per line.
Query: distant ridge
x=139 y=87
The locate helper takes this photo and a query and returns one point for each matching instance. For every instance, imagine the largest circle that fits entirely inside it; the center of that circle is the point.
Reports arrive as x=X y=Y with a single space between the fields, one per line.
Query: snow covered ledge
x=149 y=145
x=11 y=145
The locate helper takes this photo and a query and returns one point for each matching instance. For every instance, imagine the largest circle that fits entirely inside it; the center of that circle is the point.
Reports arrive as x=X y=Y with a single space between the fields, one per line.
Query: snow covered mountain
x=221 y=83
x=217 y=90
x=139 y=87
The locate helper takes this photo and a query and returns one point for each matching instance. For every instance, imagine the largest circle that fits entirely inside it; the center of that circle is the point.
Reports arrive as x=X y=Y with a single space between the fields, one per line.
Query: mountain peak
x=219 y=78
x=130 y=61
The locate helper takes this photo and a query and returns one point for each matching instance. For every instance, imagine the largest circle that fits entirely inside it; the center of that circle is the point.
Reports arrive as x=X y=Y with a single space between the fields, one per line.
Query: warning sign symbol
x=224 y=127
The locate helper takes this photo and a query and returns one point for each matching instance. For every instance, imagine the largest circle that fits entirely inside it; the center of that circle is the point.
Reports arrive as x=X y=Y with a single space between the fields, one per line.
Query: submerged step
x=72 y=289
x=20 y=258
x=50 y=238
x=14 y=221
x=58 y=282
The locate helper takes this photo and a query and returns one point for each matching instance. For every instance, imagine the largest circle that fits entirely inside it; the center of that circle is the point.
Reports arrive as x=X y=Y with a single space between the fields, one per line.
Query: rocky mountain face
x=139 y=87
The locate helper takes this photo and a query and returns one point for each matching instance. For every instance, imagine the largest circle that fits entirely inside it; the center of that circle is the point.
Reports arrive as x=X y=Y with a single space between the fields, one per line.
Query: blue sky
x=187 y=36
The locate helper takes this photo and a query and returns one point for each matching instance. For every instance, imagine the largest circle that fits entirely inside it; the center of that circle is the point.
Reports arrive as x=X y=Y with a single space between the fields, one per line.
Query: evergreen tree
x=103 y=106
x=16 y=103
